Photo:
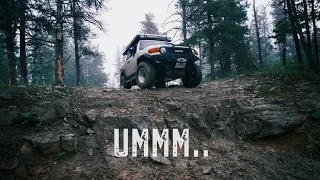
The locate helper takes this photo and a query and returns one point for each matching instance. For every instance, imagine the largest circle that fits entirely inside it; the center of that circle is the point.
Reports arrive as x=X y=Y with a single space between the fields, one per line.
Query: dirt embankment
x=254 y=127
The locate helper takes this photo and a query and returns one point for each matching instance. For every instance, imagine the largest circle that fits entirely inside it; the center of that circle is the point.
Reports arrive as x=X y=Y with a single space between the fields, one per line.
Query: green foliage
x=206 y=78
x=31 y=119
x=61 y=155
x=291 y=72
x=92 y=69
x=264 y=91
x=3 y=86
x=223 y=23
x=316 y=115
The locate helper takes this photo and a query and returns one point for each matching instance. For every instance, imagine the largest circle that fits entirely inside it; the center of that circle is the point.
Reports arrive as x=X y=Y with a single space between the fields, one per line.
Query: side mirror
x=133 y=50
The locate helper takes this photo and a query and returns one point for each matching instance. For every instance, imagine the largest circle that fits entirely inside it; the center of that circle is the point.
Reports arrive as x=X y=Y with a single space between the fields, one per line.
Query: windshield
x=147 y=43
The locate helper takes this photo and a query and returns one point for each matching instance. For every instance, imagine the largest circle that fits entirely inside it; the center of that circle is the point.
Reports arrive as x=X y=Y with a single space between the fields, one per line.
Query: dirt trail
x=254 y=127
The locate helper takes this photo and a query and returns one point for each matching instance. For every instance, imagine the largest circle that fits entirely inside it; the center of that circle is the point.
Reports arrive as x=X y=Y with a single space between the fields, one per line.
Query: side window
x=134 y=50
x=129 y=55
x=131 y=52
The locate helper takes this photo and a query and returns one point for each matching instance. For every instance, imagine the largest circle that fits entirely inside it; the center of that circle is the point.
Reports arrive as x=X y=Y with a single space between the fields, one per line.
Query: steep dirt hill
x=254 y=127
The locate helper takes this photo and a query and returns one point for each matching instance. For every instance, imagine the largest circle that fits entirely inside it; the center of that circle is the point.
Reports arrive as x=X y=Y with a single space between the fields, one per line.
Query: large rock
x=239 y=119
x=171 y=105
x=69 y=142
x=142 y=122
x=207 y=169
x=62 y=108
x=91 y=142
x=160 y=159
x=308 y=105
x=90 y=131
x=46 y=143
x=91 y=115
x=46 y=113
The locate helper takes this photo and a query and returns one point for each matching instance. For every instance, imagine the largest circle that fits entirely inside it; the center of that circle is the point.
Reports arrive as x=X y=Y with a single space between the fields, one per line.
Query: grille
x=180 y=50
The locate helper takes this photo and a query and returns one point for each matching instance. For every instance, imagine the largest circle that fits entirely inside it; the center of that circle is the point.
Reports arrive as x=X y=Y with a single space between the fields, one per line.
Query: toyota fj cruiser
x=151 y=60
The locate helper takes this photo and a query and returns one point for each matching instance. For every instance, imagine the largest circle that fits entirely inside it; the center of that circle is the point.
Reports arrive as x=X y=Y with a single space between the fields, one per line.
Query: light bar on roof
x=155 y=37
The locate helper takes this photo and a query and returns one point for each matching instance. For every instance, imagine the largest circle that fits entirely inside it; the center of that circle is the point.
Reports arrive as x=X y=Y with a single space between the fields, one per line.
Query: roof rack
x=139 y=37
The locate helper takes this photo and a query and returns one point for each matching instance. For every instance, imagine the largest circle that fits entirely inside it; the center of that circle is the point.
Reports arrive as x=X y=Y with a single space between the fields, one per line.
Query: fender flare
x=145 y=57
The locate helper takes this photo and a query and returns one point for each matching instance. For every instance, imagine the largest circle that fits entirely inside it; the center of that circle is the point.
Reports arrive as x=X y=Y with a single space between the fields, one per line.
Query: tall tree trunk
x=257 y=33
x=59 y=45
x=284 y=52
x=76 y=44
x=184 y=20
x=34 y=67
x=306 y=17
x=220 y=60
x=227 y=66
x=23 y=57
x=11 y=59
x=294 y=33
x=307 y=50
x=200 y=51
x=280 y=50
x=10 y=43
x=211 y=48
x=315 y=33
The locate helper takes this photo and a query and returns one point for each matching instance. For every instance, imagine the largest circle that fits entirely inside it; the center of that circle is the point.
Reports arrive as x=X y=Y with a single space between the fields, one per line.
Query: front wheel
x=146 y=75
x=193 y=79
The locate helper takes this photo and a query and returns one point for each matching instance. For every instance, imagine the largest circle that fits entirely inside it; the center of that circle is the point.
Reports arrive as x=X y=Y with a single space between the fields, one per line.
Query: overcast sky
x=122 y=22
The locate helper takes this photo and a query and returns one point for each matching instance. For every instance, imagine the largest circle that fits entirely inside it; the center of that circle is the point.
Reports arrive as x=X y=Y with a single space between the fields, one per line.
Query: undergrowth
x=30 y=119
x=291 y=72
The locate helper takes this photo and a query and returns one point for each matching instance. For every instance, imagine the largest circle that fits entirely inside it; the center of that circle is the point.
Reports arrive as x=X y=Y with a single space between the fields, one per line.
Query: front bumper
x=174 y=61
x=173 y=66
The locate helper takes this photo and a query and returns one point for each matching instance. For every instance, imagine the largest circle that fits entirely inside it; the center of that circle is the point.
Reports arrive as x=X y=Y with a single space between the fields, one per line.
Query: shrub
x=31 y=119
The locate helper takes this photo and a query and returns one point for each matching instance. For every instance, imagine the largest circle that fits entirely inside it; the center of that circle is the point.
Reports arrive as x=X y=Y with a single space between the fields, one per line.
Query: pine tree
x=265 y=47
x=219 y=23
x=148 y=26
x=118 y=65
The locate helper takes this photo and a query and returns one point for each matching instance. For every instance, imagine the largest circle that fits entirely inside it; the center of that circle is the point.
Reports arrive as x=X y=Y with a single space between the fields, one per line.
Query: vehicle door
x=128 y=63
x=132 y=62
x=135 y=57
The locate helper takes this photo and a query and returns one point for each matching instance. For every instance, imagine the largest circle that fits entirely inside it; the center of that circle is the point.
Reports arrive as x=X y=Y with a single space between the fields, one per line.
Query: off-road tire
x=123 y=83
x=194 y=79
x=149 y=74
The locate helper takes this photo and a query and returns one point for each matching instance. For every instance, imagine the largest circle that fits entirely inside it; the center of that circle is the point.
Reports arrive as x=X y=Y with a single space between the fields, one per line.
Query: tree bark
x=307 y=50
x=257 y=33
x=306 y=17
x=184 y=21
x=294 y=33
x=59 y=45
x=23 y=57
x=227 y=65
x=10 y=35
x=315 y=33
x=284 y=53
x=34 y=68
x=200 y=51
x=76 y=43
x=211 y=48
x=9 y=28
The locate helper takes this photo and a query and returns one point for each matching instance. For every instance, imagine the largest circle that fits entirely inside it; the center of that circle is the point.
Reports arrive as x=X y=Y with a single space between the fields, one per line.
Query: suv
x=151 y=60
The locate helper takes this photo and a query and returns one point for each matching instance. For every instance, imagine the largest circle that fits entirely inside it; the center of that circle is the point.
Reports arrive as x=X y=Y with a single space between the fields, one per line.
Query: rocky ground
x=254 y=127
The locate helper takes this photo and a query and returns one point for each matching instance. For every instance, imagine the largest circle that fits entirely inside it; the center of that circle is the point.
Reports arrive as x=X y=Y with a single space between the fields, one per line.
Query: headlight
x=163 y=50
